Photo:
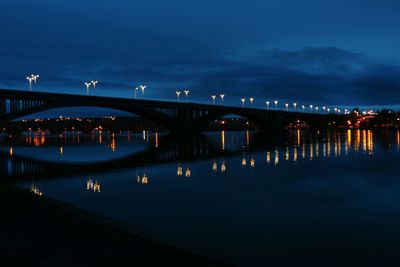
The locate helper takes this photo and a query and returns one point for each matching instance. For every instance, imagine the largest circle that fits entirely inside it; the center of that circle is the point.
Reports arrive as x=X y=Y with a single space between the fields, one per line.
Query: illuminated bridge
x=173 y=116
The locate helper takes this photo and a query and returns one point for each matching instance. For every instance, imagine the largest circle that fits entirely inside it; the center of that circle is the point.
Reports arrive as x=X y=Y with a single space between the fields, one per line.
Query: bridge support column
x=3 y=106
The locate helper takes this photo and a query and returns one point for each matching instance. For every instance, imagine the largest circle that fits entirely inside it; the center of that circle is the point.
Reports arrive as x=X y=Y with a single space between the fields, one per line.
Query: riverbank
x=36 y=231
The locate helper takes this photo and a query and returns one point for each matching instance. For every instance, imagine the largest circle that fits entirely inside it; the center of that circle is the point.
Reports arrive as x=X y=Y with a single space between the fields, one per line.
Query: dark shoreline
x=36 y=231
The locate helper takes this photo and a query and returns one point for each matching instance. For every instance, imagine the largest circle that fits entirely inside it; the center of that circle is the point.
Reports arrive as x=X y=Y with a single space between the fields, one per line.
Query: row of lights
x=34 y=77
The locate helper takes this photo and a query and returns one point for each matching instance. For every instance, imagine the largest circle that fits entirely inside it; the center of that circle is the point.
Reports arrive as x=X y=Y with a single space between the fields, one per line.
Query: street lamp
x=287 y=106
x=267 y=102
x=335 y=109
x=316 y=108
x=87 y=87
x=222 y=97
x=304 y=108
x=35 y=77
x=142 y=87
x=251 y=100
x=94 y=86
x=295 y=106
x=30 y=79
x=213 y=98
x=136 y=89
x=324 y=108
x=328 y=110
x=243 y=100
x=186 y=93
x=276 y=104
x=311 y=107
x=178 y=94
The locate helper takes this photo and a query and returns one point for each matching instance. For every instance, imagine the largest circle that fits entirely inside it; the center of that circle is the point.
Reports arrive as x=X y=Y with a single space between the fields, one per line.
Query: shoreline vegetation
x=37 y=231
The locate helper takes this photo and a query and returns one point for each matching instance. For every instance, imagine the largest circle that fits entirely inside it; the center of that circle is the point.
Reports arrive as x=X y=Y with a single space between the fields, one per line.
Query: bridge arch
x=147 y=114
x=260 y=121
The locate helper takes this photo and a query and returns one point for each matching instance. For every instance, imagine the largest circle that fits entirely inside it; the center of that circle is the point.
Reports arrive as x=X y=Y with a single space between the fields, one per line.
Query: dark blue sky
x=342 y=52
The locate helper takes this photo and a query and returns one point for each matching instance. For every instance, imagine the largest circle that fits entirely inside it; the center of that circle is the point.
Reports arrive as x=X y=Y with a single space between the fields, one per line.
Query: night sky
x=335 y=53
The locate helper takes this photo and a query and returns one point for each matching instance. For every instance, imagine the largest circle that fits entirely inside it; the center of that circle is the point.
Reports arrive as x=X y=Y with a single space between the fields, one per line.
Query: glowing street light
x=324 y=108
x=213 y=99
x=267 y=103
x=186 y=92
x=87 y=87
x=243 y=100
x=276 y=104
x=304 y=108
x=338 y=111
x=311 y=108
x=178 y=93
x=136 y=89
x=30 y=79
x=35 y=77
x=316 y=109
x=287 y=106
x=251 y=100
x=222 y=97
x=335 y=109
x=142 y=87
x=328 y=110
x=295 y=106
x=94 y=86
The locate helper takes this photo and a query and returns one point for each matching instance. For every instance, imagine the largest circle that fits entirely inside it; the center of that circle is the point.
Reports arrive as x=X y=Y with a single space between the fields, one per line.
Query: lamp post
x=295 y=106
x=324 y=108
x=276 y=104
x=267 y=103
x=186 y=92
x=30 y=79
x=304 y=108
x=213 y=99
x=178 y=94
x=328 y=110
x=87 y=87
x=287 y=106
x=142 y=87
x=316 y=109
x=251 y=100
x=335 y=109
x=136 y=89
x=311 y=108
x=243 y=100
x=94 y=86
x=222 y=97
x=35 y=77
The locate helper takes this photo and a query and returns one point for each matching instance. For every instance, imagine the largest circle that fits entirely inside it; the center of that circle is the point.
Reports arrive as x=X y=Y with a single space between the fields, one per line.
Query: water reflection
x=299 y=184
x=295 y=147
x=398 y=139
x=223 y=166
x=179 y=171
x=142 y=179
x=93 y=185
x=188 y=172
x=35 y=190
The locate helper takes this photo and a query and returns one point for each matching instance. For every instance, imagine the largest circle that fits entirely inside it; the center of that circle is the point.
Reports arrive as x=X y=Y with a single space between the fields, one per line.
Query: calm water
x=242 y=197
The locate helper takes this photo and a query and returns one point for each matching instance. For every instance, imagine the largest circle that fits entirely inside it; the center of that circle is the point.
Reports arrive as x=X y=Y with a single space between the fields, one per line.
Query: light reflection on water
x=260 y=200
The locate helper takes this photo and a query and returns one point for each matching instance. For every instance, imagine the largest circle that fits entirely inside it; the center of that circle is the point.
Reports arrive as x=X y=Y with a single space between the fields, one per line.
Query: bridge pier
x=3 y=106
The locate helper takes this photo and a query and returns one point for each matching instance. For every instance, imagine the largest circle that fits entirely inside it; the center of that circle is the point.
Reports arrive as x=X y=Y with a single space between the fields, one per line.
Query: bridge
x=174 y=116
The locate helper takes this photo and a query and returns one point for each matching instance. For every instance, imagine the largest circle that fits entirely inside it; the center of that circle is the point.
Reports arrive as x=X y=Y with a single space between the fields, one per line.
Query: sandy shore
x=36 y=231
